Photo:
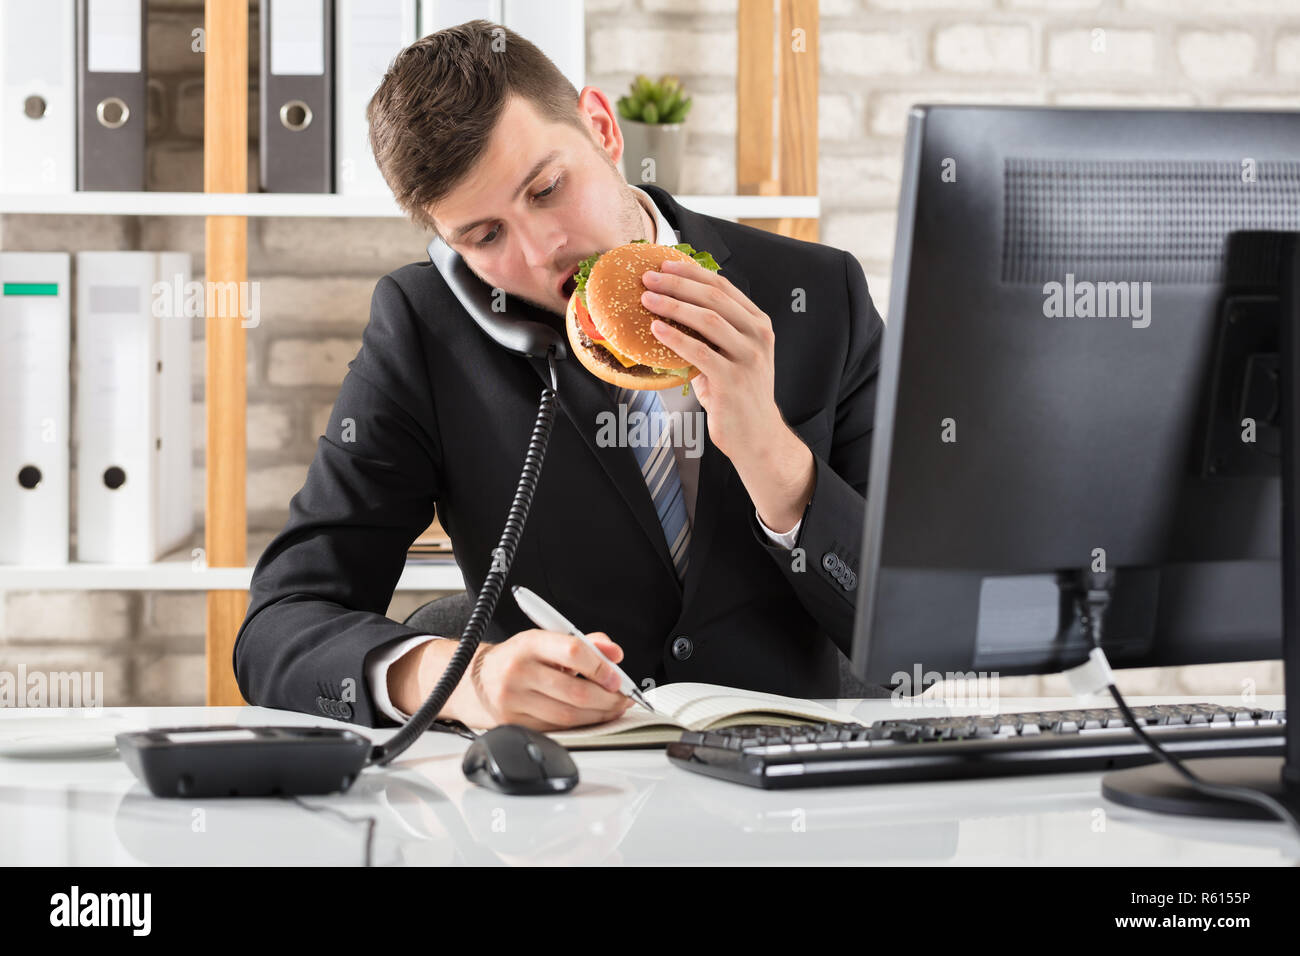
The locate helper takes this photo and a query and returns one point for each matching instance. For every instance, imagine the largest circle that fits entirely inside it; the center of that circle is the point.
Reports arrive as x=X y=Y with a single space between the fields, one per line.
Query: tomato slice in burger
x=584 y=321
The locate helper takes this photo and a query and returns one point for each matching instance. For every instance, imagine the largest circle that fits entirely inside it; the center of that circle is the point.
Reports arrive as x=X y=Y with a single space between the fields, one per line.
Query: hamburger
x=609 y=328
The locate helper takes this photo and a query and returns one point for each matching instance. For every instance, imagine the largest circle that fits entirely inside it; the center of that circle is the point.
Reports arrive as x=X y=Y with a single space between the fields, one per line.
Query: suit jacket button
x=683 y=648
x=345 y=711
x=828 y=561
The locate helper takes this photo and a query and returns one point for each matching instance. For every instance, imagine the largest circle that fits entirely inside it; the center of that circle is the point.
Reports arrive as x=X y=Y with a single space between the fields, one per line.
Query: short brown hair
x=436 y=107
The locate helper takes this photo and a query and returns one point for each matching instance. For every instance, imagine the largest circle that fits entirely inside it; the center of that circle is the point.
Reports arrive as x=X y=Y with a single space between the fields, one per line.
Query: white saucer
x=35 y=738
x=60 y=746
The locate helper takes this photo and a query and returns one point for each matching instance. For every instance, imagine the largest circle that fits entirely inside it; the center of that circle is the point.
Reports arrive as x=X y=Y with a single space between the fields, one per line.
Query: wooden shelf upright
x=225 y=170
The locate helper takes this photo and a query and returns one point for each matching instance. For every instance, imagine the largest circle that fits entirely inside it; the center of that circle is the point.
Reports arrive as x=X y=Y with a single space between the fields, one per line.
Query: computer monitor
x=1072 y=347
x=1062 y=297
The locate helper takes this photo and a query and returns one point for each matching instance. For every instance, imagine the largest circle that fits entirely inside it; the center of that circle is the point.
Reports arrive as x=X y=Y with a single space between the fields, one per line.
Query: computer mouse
x=518 y=760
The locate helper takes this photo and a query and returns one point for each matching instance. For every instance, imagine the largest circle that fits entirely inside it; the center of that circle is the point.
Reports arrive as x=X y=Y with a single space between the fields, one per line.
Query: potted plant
x=654 y=137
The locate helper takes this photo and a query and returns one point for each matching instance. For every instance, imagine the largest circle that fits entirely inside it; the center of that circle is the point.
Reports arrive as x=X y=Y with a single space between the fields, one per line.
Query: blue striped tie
x=659 y=468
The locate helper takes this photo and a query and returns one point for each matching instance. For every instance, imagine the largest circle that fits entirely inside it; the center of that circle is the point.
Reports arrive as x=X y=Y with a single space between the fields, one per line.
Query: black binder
x=111 y=102
x=296 y=94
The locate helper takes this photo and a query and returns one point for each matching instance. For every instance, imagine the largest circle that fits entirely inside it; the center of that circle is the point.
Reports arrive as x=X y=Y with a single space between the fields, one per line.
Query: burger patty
x=606 y=358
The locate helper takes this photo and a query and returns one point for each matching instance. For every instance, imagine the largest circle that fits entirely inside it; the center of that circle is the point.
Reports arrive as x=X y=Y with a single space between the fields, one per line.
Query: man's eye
x=545 y=193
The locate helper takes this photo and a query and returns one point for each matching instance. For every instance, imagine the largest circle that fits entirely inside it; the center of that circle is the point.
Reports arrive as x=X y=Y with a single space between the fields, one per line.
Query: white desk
x=629 y=807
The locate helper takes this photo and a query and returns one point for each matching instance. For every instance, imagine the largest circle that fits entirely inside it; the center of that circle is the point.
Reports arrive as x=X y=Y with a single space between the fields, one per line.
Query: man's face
x=542 y=198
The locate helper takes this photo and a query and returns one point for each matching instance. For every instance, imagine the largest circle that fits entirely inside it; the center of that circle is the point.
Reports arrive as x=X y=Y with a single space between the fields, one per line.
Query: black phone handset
x=508 y=329
x=524 y=337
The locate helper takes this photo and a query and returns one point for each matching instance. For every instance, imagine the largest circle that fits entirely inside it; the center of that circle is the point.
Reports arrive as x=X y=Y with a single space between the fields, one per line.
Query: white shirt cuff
x=787 y=540
x=377 y=673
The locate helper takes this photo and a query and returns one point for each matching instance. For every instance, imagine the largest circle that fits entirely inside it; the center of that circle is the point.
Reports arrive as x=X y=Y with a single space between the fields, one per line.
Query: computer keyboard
x=939 y=748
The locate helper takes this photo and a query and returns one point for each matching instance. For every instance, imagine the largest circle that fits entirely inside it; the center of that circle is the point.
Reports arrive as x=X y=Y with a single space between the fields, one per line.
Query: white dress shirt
x=688 y=468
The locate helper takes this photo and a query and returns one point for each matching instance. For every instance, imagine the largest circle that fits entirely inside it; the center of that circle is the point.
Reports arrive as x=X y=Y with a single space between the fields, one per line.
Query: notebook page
x=695 y=706
x=636 y=718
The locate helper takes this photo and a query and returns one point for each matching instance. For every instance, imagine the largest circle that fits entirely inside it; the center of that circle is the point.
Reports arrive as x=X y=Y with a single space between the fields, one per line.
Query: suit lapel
x=583 y=397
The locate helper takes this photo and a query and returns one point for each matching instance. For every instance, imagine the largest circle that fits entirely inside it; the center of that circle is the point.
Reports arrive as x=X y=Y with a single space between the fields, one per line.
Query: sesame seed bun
x=614 y=290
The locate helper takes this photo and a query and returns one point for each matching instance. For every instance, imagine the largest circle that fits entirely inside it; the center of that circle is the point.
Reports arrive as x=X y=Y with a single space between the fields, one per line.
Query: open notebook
x=693 y=707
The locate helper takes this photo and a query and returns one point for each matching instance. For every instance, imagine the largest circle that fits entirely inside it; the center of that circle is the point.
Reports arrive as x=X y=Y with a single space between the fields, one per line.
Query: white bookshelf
x=181 y=575
x=177 y=573
x=328 y=204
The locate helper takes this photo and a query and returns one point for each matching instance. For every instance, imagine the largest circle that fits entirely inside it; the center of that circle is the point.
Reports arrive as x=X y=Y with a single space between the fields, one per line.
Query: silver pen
x=549 y=619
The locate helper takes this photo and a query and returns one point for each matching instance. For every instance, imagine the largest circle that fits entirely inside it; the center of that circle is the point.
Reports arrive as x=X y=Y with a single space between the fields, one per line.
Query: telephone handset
x=522 y=336
x=511 y=331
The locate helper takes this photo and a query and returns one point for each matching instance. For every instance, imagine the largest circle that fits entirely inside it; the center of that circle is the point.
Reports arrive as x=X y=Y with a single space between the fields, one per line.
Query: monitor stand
x=1158 y=787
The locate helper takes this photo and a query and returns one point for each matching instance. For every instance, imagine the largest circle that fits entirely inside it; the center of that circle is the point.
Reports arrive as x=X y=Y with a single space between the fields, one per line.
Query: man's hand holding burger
x=735 y=384
x=715 y=337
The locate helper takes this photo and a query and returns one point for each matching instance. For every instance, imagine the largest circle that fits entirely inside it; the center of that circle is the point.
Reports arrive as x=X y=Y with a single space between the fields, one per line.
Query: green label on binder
x=31 y=288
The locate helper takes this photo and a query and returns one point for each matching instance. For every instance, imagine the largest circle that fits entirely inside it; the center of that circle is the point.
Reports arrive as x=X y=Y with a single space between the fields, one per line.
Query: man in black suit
x=756 y=592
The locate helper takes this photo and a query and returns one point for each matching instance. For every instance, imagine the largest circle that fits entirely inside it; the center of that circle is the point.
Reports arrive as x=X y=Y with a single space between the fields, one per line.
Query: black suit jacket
x=433 y=413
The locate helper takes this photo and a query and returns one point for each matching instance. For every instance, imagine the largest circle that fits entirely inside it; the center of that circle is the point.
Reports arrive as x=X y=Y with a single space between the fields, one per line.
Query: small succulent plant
x=652 y=101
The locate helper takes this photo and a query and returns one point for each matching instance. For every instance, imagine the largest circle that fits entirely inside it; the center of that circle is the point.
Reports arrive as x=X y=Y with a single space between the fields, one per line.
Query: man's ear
x=602 y=124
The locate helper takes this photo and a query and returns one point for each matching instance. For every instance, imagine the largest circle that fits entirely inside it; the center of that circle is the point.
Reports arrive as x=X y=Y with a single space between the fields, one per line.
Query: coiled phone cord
x=486 y=603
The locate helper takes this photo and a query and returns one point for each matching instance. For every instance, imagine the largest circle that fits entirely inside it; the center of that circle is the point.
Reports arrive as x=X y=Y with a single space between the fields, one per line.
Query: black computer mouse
x=515 y=759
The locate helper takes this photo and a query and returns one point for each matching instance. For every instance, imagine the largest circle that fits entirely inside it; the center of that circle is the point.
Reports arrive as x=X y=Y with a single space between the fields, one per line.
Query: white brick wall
x=877 y=57
x=873 y=54
x=302 y=361
x=1102 y=50
x=1288 y=56
x=1205 y=55
x=979 y=48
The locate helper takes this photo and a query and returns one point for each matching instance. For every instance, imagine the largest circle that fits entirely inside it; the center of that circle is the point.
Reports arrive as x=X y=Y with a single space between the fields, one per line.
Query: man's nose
x=539 y=242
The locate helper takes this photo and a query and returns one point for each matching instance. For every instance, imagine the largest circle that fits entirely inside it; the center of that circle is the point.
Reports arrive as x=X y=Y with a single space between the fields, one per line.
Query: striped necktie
x=659 y=468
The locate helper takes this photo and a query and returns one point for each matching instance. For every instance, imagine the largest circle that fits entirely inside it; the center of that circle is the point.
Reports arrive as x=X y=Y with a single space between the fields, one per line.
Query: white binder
x=38 y=97
x=35 y=330
x=368 y=35
x=556 y=28
x=134 y=450
x=437 y=14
